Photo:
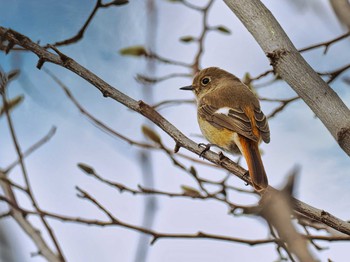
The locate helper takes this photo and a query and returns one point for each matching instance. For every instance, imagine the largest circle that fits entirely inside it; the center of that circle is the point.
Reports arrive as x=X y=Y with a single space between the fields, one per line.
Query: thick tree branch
x=291 y=66
x=139 y=106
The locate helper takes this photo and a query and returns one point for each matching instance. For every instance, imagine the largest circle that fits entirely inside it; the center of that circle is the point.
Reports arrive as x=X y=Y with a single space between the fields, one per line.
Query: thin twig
x=173 y=102
x=84 y=195
x=205 y=29
x=334 y=74
x=6 y=214
x=266 y=73
x=326 y=44
x=93 y=119
x=191 y=6
x=154 y=80
x=33 y=148
x=82 y=30
x=284 y=103
x=141 y=190
x=6 y=180
x=162 y=59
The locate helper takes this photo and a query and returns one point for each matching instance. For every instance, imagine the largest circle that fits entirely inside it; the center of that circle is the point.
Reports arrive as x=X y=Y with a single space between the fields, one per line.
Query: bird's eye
x=205 y=81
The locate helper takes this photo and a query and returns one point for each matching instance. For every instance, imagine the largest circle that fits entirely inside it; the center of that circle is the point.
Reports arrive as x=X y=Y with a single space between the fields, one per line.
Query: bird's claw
x=206 y=148
x=244 y=177
x=221 y=156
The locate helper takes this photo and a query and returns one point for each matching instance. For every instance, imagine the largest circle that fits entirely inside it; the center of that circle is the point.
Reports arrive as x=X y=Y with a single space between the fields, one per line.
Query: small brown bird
x=230 y=117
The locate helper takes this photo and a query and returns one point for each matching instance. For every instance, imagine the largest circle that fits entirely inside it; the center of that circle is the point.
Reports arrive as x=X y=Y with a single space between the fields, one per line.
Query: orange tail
x=255 y=165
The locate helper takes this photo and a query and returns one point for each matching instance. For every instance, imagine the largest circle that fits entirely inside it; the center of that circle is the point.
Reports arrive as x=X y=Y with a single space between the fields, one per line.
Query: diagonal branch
x=107 y=129
x=139 y=106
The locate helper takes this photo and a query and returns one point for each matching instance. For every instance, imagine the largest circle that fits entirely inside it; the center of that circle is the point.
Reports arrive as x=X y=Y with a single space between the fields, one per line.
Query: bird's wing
x=250 y=123
x=233 y=119
x=262 y=125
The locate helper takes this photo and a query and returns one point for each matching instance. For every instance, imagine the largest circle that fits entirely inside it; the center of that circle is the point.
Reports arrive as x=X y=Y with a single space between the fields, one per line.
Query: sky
x=298 y=138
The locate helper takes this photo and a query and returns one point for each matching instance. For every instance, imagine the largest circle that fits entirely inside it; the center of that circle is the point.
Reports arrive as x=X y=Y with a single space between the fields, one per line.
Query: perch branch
x=139 y=106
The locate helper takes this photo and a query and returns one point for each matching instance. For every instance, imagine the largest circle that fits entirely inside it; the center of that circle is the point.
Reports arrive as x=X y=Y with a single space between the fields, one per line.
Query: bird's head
x=208 y=80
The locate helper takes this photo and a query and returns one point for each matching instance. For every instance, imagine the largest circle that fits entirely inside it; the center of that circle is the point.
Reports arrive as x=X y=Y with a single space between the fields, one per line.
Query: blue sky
x=297 y=137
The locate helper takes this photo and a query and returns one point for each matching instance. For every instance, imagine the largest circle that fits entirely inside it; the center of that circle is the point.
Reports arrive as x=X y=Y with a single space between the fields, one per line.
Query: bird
x=230 y=117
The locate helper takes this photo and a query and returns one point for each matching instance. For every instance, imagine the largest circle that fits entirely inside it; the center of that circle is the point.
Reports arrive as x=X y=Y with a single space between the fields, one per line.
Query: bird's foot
x=245 y=177
x=206 y=148
x=221 y=156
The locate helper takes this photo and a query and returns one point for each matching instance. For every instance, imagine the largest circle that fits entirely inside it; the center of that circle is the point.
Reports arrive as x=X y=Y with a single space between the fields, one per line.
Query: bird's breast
x=222 y=137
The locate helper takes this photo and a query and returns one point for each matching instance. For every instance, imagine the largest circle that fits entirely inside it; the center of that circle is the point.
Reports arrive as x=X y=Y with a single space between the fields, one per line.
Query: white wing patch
x=223 y=110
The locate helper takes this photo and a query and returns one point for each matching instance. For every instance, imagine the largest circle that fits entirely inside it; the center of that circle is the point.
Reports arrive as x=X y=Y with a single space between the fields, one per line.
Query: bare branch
x=20 y=217
x=284 y=103
x=81 y=32
x=141 y=190
x=191 y=6
x=6 y=214
x=139 y=106
x=84 y=195
x=156 y=235
x=333 y=75
x=205 y=29
x=93 y=119
x=10 y=183
x=33 y=148
x=113 y=221
x=104 y=127
x=172 y=102
x=326 y=44
x=159 y=58
x=154 y=80
x=266 y=73
x=23 y=167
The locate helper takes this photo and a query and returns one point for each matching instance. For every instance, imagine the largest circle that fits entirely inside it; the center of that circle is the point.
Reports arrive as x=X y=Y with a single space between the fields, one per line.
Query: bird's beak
x=187 y=88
